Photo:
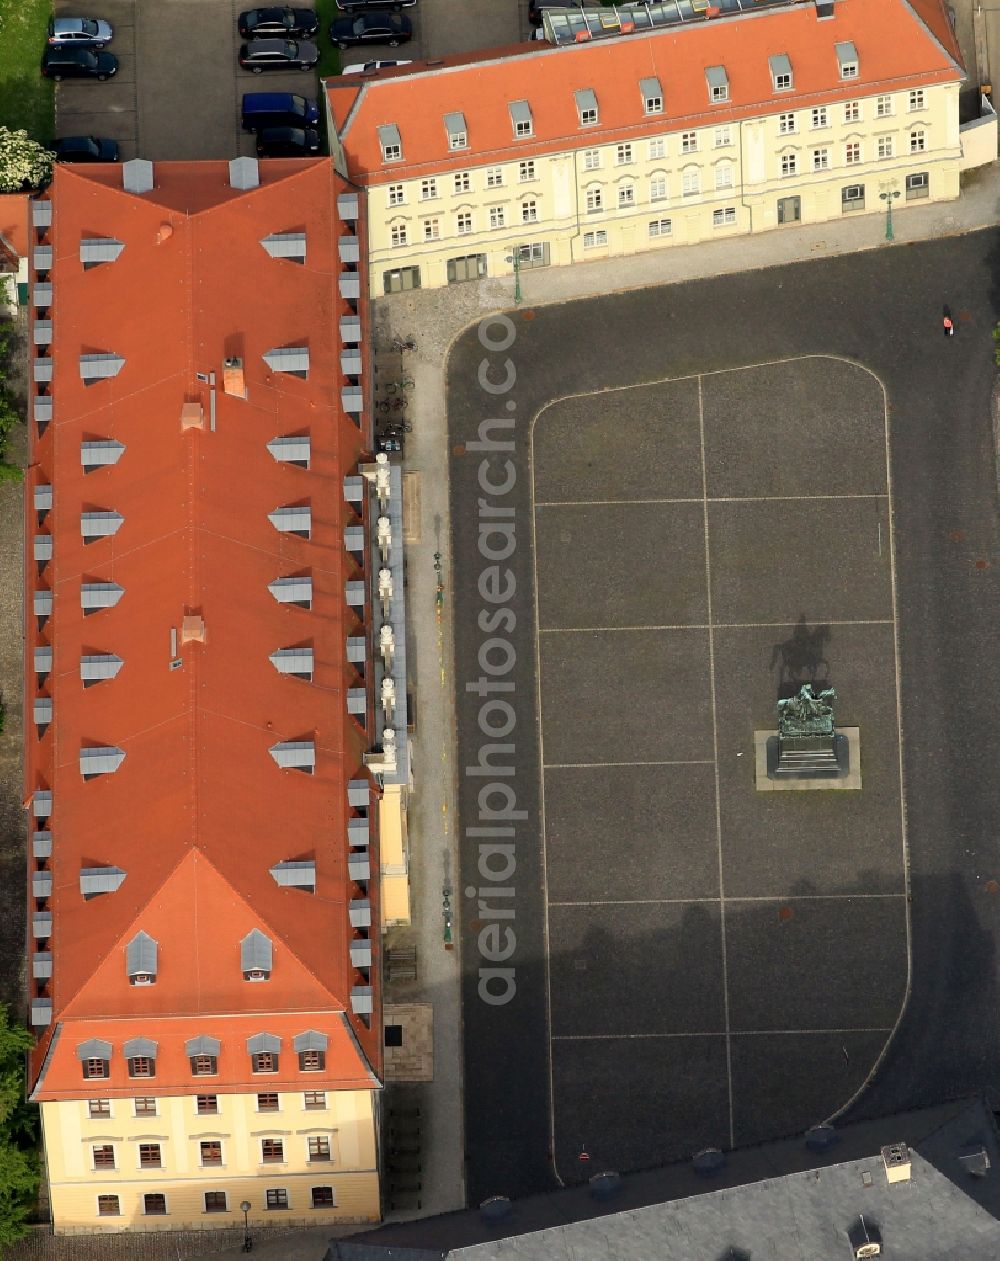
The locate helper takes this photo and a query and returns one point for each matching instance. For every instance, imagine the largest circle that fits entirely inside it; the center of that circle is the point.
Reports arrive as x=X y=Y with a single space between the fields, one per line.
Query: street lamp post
x=247 y=1237
x=515 y=258
x=889 y=196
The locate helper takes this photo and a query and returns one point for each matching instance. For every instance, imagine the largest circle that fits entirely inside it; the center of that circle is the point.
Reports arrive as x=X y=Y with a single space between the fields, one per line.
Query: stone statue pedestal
x=826 y=761
x=807 y=757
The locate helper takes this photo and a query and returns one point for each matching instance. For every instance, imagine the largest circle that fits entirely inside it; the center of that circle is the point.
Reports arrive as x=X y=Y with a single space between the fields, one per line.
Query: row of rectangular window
x=272 y=1151
x=208 y=1105
x=154 y=1203
x=94 y=1069
x=473 y=266
x=819 y=117
x=690 y=187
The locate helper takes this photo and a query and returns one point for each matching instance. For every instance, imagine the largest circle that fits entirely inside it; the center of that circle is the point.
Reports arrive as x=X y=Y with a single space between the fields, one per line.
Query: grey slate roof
x=777 y=1202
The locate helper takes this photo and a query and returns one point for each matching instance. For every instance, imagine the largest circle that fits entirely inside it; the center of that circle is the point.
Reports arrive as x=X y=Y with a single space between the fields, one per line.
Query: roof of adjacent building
x=900 y=44
x=14 y=224
x=185 y=831
x=780 y=1200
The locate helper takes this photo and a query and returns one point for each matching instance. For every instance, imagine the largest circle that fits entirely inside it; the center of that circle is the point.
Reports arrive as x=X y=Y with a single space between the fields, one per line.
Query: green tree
x=18 y=1190
x=24 y=163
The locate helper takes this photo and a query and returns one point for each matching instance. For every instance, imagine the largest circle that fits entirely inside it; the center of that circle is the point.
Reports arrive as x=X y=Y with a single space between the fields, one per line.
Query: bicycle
x=404 y=343
x=397 y=427
x=404 y=383
x=399 y=404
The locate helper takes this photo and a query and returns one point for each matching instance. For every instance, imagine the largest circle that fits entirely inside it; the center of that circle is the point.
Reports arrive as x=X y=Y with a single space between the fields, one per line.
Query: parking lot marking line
x=715 y=751
x=574 y=766
x=541 y=817
x=712 y=499
x=713 y=1033
x=680 y=626
x=782 y=898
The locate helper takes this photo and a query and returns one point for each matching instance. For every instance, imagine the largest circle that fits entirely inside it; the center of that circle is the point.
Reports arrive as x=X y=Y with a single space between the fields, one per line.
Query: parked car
x=287 y=142
x=283 y=22
x=278 y=109
x=362 y=6
x=85 y=149
x=365 y=67
x=80 y=32
x=78 y=63
x=278 y=54
x=371 y=28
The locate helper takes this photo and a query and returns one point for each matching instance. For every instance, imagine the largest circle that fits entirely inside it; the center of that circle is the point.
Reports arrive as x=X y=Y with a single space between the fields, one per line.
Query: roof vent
x=99 y=595
x=286 y=245
x=100 y=760
x=192 y=416
x=233 y=381
x=244 y=173
x=866 y=1239
x=295 y=755
x=97 y=880
x=708 y=1161
x=255 y=956
x=496 y=1209
x=100 y=366
x=292 y=591
x=295 y=875
x=192 y=629
x=141 y=959
x=137 y=176
x=975 y=1160
x=897 y=1162
x=164 y=232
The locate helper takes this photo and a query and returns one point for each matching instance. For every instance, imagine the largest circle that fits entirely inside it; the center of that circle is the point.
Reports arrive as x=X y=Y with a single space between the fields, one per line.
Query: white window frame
x=819 y=116
x=789 y=165
x=852 y=111
x=526 y=171
x=849 y=160
x=883 y=106
x=626 y=196
x=656 y=228
x=918 y=140
x=884 y=147
x=724 y=217
x=689 y=142
x=591 y=159
x=723 y=177
x=462 y=182
x=787 y=125
x=691 y=182
x=594 y=196
x=398 y=235
x=431 y=229
x=917 y=99
x=498 y=217
x=595 y=239
x=494 y=177
x=658 y=187
x=463 y=222
x=396 y=195
x=529 y=211
x=821 y=159
x=428 y=189
x=624 y=154
x=723 y=137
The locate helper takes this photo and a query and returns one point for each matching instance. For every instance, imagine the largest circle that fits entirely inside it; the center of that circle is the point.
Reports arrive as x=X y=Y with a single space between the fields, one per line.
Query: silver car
x=79 y=32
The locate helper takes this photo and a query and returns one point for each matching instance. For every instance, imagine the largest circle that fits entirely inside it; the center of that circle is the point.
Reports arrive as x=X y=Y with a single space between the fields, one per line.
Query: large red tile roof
x=899 y=44
x=198 y=812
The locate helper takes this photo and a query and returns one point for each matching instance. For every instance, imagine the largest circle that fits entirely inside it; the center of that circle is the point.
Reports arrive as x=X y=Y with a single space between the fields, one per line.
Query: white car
x=363 y=67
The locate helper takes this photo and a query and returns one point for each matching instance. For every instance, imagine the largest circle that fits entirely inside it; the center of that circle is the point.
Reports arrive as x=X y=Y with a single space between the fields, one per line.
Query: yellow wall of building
x=347 y=1121
x=717 y=180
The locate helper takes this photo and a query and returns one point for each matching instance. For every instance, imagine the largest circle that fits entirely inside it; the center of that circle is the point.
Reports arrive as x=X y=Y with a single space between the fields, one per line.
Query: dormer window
x=718 y=84
x=847 y=59
x=390 y=142
x=586 y=107
x=520 y=119
x=457 y=131
x=140 y=960
x=781 y=72
x=255 y=956
x=652 y=96
x=203 y=1055
x=310 y=1047
x=140 y=1055
x=264 y=1050
x=95 y=1058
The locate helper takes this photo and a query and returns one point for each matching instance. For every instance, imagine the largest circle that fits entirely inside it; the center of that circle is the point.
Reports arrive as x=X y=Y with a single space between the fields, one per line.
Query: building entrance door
x=789 y=209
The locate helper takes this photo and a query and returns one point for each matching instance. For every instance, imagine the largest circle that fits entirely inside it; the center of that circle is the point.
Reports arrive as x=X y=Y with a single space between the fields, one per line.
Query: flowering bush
x=24 y=163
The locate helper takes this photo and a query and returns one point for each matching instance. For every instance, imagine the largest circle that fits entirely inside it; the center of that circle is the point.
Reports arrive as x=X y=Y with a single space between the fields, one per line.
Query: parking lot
x=705 y=939
x=178 y=90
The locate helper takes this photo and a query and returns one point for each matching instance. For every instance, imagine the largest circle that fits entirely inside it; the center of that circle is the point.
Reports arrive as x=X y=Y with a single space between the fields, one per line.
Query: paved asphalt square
x=675 y=947
x=625 y=696
x=633 y=1104
x=621 y=565
x=830 y=842
x=823 y=1066
x=638 y=443
x=796 y=421
x=825 y=951
x=630 y=832
x=773 y=560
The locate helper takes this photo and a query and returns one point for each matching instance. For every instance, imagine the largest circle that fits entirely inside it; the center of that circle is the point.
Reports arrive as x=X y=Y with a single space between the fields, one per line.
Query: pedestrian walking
x=947 y=323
